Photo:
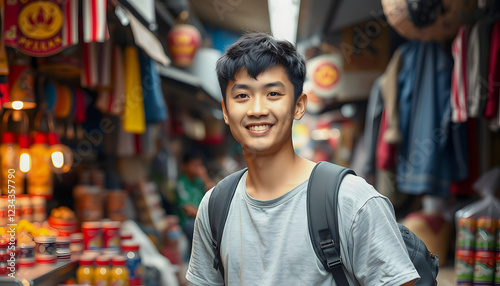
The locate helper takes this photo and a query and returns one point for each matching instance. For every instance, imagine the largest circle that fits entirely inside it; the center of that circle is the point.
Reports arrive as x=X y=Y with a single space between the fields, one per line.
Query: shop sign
x=40 y=27
x=325 y=73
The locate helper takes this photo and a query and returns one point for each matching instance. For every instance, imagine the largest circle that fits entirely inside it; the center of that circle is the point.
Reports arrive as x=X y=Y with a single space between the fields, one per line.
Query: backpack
x=324 y=182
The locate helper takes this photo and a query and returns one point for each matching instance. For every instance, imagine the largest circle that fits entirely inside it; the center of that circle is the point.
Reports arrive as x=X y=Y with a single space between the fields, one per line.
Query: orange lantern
x=183 y=42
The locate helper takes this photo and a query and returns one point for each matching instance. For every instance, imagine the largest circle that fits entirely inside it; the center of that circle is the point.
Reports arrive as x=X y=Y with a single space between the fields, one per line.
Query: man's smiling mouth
x=259 y=127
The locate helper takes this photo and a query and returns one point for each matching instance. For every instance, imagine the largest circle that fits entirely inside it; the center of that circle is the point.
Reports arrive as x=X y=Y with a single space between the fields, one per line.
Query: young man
x=266 y=239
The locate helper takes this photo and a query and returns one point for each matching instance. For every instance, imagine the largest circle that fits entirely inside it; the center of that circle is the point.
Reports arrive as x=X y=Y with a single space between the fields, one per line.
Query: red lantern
x=183 y=42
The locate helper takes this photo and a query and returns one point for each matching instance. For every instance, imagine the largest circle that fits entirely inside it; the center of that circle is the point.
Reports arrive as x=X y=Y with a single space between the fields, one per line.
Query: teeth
x=259 y=127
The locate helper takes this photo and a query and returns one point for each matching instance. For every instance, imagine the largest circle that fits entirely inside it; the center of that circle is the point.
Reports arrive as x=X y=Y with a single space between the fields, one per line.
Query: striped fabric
x=70 y=26
x=95 y=27
x=459 y=77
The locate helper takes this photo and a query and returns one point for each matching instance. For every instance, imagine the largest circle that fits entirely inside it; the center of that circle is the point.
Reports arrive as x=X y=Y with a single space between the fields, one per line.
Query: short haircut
x=191 y=156
x=257 y=52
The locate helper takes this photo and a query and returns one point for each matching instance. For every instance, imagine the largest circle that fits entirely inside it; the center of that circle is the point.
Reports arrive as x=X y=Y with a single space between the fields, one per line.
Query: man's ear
x=224 y=111
x=300 y=106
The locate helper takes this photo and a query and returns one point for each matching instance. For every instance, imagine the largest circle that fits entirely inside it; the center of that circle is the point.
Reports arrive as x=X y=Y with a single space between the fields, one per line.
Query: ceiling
x=323 y=18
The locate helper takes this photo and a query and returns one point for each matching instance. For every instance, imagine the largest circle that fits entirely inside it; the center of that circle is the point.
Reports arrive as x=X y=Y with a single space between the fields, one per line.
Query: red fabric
x=70 y=28
x=386 y=153
x=494 y=73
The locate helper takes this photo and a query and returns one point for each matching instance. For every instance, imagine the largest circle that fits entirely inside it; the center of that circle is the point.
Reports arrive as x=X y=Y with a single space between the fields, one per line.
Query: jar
x=26 y=254
x=119 y=274
x=63 y=252
x=484 y=267
x=39 y=208
x=76 y=242
x=102 y=271
x=26 y=208
x=45 y=249
x=4 y=242
x=85 y=271
x=3 y=268
x=4 y=206
x=485 y=233
x=111 y=234
x=133 y=261
x=92 y=235
x=125 y=236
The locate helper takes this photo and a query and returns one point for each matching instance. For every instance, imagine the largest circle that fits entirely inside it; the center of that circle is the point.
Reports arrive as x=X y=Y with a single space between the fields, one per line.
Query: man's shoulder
x=355 y=191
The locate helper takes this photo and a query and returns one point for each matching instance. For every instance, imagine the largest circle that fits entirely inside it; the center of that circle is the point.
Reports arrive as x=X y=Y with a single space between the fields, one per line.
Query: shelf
x=42 y=274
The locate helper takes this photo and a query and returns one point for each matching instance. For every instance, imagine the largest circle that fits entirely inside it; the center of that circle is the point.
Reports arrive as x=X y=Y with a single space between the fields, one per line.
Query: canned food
x=26 y=254
x=464 y=265
x=485 y=234
x=45 y=249
x=92 y=235
x=111 y=234
x=484 y=267
x=466 y=233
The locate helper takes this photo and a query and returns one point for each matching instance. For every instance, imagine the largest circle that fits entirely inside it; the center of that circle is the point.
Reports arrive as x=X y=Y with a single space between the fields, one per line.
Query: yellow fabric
x=133 y=118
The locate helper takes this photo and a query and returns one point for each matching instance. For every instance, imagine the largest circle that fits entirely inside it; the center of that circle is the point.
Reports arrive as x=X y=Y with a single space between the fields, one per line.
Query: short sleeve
x=200 y=271
x=379 y=253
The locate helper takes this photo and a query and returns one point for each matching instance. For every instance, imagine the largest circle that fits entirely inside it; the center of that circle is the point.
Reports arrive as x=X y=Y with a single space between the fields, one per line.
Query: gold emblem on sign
x=326 y=75
x=40 y=20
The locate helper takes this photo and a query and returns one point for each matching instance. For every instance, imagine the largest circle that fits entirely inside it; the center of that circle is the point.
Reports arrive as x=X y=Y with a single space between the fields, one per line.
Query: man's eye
x=273 y=93
x=241 y=95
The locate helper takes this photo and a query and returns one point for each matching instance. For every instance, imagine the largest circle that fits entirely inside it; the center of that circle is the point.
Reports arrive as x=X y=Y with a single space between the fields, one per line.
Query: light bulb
x=17 y=105
x=24 y=153
x=24 y=161
x=61 y=157
x=57 y=159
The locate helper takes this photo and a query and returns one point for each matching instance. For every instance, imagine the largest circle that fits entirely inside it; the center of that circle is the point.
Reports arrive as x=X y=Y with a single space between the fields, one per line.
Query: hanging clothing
x=389 y=92
x=478 y=50
x=494 y=73
x=459 y=77
x=386 y=153
x=434 y=150
x=374 y=110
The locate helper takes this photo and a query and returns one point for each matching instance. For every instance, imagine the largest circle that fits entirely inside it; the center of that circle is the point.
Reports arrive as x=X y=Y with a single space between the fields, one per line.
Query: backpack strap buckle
x=332 y=258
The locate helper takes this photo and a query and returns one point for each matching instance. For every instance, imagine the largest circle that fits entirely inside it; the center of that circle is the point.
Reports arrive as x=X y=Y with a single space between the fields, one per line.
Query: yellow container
x=85 y=272
x=102 y=271
x=119 y=273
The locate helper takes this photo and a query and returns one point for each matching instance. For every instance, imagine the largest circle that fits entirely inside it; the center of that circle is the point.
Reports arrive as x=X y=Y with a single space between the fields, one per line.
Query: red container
x=111 y=234
x=65 y=227
x=92 y=235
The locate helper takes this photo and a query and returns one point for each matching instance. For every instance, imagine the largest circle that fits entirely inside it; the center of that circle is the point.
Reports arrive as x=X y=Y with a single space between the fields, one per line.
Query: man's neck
x=271 y=176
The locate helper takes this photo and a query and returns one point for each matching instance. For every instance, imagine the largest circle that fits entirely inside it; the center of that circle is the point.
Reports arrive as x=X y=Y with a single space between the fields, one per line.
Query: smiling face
x=260 y=111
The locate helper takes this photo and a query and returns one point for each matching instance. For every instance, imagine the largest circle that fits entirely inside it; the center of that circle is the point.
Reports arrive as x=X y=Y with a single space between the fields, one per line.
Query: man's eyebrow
x=274 y=84
x=239 y=86
x=267 y=85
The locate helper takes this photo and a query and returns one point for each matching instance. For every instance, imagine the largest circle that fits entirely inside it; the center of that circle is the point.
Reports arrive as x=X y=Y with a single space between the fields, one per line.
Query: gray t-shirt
x=268 y=243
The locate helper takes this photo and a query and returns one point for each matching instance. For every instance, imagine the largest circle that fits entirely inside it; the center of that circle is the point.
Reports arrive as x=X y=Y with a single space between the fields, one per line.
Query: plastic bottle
x=119 y=273
x=12 y=178
x=102 y=271
x=133 y=261
x=40 y=180
x=85 y=272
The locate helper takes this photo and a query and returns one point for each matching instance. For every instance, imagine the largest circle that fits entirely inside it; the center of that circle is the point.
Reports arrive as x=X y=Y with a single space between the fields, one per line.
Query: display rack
x=42 y=274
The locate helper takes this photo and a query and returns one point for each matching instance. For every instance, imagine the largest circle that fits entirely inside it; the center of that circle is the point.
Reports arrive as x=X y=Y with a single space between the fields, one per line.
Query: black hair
x=191 y=156
x=257 y=52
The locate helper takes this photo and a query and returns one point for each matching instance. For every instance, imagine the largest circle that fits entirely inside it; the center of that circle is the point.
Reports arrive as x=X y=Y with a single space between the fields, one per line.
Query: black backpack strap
x=218 y=208
x=322 y=197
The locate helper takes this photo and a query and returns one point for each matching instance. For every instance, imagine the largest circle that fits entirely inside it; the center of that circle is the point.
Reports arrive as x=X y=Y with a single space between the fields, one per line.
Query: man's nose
x=258 y=107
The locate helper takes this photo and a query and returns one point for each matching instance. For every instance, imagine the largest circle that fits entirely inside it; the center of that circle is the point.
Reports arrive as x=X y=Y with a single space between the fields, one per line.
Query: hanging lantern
x=183 y=41
x=21 y=85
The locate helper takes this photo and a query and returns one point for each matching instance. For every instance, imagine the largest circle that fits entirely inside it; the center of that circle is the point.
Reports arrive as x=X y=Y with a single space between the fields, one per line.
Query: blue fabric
x=155 y=108
x=434 y=150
